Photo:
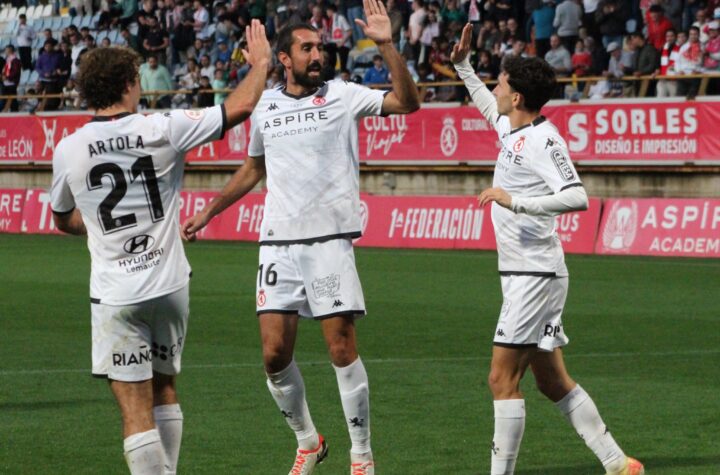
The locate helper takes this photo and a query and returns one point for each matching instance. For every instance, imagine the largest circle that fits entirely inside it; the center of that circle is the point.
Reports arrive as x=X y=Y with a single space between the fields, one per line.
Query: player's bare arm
x=404 y=97
x=71 y=223
x=498 y=195
x=244 y=180
x=240 y=104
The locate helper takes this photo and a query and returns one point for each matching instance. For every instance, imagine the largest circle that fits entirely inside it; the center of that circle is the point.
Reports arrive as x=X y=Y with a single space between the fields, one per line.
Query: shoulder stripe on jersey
x=224 y=121
x=537 y=121
x=301 y=96
x=571 y=185
x=64 y=213
x=351 y=235
x=528 y=273
x=108 y=118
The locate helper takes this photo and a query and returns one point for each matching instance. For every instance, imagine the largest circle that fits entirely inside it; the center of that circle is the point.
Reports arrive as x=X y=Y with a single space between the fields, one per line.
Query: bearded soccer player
x=117 y=179
x=304 y=138
x=534 y=181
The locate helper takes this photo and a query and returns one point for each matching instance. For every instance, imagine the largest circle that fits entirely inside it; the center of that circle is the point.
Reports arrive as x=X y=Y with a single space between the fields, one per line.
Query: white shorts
x=129 y=342
x=531 y=315
x=317 y=280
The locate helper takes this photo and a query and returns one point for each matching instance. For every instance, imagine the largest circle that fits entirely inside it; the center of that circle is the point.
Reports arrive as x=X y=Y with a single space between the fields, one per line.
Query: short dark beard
x=305 y=80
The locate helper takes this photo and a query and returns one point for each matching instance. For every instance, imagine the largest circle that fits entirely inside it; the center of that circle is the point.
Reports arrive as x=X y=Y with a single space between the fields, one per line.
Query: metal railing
x=576 y=81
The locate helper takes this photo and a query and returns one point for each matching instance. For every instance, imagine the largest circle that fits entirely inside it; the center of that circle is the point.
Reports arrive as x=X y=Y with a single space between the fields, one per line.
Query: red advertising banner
x=660 y=227
x=608 y=132
x=431 y=222
x=37 y=213
x=11 y=209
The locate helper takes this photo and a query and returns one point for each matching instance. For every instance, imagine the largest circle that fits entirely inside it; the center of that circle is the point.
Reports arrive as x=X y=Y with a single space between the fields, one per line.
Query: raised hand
x=462 y=48
x=258 y=47
x=377 y=27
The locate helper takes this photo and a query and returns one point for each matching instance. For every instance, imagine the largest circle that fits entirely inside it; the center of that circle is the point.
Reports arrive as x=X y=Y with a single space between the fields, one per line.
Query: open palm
x=377 y=27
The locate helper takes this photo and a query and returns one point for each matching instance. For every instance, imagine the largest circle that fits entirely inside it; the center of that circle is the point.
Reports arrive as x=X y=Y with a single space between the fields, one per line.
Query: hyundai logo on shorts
x=139 y=244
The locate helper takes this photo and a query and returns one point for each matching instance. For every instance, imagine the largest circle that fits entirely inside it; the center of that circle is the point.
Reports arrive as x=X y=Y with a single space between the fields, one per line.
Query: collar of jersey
x=537 y=121
x=108 y=118
x=320 y=91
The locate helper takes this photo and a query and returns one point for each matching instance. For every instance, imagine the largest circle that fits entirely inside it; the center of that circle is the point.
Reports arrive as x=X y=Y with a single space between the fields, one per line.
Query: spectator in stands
x=499 y=10
x=668 y=57
x=48 y=36
x=488 y=36
x=518 y=49
x=610 y=86
x=589 y=9
x=431 y=30
x=47 y=66
x=109 y=15
x=66 y=62
x=558 y=57
x=201 y=18
x=275 y=78
x=206 y=67
x=104 y=43
x=84 y=33
x=81 y=7
x=183 y=33
x=396 y=21
x=425 y=74
x=128 y=10
x=72 y=100
x=224 y=53
x=377 y=73
x=599 y=56
x=129 y=40
x=690 y=62
x=155 y=77
x=487 y=67
x=156 y=40
x=610 y=18
x=657 y=26
x=206 y=98
x=11 y=71
x=568 y=19
x=24 y=38
x=340 y=32
x=319 y=21
x=513 y=31
x=219 y=82
x=581 y=60
x=646 y=56
x=543 y=18
x=189 y=75
x=701 y=22
x=76 y=47
x=711 y=63
x=450 y=12
x=415 y=27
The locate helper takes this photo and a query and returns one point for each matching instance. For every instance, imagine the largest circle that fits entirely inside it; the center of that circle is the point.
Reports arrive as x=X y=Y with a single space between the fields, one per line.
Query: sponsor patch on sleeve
x=194 y=114
x=562 y=163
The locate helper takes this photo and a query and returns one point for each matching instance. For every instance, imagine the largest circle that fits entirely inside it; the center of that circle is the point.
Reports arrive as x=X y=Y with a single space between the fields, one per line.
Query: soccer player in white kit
x=534 y=181
x=117 y=179
x=304 y=138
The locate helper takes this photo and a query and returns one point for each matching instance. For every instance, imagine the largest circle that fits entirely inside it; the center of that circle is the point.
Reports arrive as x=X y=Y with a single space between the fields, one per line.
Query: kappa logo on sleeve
x=562 y=163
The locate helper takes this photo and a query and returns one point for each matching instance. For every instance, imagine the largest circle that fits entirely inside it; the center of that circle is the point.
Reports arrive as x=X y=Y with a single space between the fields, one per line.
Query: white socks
x=169 y=421
x=582 y=413
x=509 y=428
x=355 y=397
x=288 y=390
x=144 y=453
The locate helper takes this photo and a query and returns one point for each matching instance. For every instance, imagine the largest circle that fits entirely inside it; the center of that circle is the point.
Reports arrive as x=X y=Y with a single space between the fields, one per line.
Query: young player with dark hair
x=534 y=181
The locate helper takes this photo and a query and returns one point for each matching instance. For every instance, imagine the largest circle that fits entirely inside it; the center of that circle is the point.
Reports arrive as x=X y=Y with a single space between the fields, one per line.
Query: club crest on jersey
x=319 y=101
x=194 y=115
x=139 y=244
x=261 y=298
x=518 y=146
x=562 y=163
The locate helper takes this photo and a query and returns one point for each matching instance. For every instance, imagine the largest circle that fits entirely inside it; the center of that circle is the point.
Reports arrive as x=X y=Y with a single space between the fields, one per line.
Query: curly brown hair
x=105 y=75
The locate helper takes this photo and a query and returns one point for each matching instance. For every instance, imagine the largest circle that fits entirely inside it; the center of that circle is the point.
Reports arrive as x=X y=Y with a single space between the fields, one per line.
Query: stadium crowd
x=196 y=45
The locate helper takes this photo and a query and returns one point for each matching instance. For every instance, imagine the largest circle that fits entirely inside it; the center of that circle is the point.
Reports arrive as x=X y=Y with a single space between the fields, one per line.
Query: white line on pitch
x=382 y=361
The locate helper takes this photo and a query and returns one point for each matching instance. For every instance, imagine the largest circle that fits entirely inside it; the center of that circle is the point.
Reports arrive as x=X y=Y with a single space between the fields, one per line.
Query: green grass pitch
x=645 y=343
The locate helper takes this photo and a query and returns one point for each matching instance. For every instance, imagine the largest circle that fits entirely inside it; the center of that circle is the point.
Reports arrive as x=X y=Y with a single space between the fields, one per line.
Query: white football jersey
x=124 y=174
x=310 y=145
x=533 y=161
